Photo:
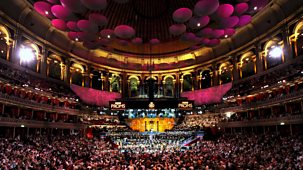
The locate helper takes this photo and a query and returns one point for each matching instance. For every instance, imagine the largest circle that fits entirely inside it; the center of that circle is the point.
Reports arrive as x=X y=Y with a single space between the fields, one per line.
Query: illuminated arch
x=248 y=54
x=55 y=57
x=78 y=66
x=270 y=62
x=167 y=76
x=153 y=77
x=298 y=28
x=247 y=64
x=6 y=34
x=224 y=66
x=269 y=44
x=133 y=76
x=33 y=46
x=297 y=39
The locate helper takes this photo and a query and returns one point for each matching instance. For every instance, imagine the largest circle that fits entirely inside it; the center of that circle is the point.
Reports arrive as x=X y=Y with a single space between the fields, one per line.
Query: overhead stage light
x=26 y=54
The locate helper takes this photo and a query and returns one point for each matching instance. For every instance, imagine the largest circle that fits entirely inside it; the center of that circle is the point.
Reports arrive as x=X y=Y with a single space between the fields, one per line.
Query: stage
x=151 y=124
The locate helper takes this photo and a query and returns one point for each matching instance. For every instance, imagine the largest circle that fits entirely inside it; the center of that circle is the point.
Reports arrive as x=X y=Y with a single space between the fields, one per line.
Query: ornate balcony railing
x=291 y=119
x=264 y=103
x=12 y=100
x=11 y=122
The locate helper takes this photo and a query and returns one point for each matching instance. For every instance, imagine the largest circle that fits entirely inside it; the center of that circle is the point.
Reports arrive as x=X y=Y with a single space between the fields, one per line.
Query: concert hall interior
x=151 y=84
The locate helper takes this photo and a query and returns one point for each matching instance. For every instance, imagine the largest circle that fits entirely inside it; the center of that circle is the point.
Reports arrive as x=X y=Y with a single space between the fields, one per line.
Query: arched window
x=115 y=83
x=29 y=55
x=205 y=79
x=150 y=83
x=77 y=71
x=273 y=52
x=225 y=73
x=187 y=82
x=297 y=39
x=4 y=42
x=247 y=64
x=168 y=86
x=97 y=80
x=55 y=66
x=133 y=86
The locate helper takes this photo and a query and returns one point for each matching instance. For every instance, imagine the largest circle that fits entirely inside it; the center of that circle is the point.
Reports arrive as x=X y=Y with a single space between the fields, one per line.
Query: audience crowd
x=238 y=151
x=22 y=85
x=198 y=122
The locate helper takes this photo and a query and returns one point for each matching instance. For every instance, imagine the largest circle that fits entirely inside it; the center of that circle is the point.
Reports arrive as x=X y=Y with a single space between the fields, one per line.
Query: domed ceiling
x=139 y=27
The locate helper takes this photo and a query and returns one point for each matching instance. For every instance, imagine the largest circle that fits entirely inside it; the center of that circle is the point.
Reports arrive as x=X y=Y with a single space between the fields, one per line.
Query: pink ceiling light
x=62 y=13
x=182 y=15
x=224 y=11
x=98 y=19
x=44 y=9
x=229 y=22
x=72 y=25
x=205 y=32
x=86 y=25
x=107 y=33
x=137 y=41
x=177 y=29
x=189 y=36
x=59 y=24
x=228 y=32
x=73 y=5
x=244 y=20
x=241 y=8
x=72 y=35
x=94 y=4
x=154 y=41
x=205 y=41
x=217 y=33
x=206 y=7
x=124 y=31
x=198 y=22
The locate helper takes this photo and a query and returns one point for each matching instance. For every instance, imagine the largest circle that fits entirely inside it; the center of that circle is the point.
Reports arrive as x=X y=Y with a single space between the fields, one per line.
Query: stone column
x=43 y=61
x=215 y=74
x=259 y=59
x=177 y=85
x=15 y=48
x=87 y=78
x=106 y=82
x=67 y=73
x=287 y=51
x=235 y=69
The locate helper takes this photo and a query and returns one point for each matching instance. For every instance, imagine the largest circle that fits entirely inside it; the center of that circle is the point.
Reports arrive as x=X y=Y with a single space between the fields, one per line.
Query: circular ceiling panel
x=206 y=7
x=44 y=9
x=182 y=15
x=98 y=19
x=224 y=11
x=59 y=24
x=177 y=29
x=73 y=5
x=124 y=31
x=62 y=13
x=241 y=8
x=198 y=22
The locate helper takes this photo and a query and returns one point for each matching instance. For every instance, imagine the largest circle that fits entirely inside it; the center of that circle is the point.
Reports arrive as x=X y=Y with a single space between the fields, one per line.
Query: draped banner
x=209 y=95
x=94 y=97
